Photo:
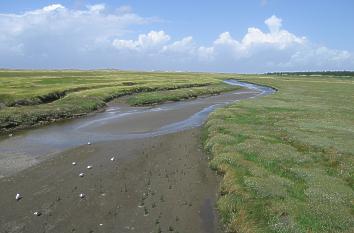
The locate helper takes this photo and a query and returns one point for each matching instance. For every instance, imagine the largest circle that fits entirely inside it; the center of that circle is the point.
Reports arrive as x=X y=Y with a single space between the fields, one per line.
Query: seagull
x=82 y=195
x=81 y=174
x=37 y=213
x=73 y=163
x=88 y=143
x=89 y=167
x=112 y=159
x=18 y=197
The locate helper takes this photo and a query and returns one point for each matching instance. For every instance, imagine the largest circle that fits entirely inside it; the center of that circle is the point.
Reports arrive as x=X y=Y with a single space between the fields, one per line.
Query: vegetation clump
x=287 y=159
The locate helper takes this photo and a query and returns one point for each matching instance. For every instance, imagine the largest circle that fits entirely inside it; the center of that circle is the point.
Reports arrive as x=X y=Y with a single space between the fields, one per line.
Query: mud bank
x=159 y=184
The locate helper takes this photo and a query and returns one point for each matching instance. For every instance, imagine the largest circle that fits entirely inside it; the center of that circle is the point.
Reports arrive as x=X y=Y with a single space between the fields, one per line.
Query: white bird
x=10 y=135
x=112 y=159
x=82 y=195
x=89 y=167
x=88 y=143
x=37 y=213
x=101 y=224
x=18 y=196
x=81 y=174
x=73 y=163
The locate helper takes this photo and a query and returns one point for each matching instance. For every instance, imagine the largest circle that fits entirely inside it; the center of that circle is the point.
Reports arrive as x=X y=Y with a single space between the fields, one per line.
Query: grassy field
x=29 y=98
x=287 y=159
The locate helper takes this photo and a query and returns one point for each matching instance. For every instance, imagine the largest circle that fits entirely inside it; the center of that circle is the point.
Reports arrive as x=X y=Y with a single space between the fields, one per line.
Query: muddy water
x=116 y=123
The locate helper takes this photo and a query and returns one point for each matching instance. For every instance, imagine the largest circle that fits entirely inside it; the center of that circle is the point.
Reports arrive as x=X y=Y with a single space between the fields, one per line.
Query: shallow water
x=116 y=122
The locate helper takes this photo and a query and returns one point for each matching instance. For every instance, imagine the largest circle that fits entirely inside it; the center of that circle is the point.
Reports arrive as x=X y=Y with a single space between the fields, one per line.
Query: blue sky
x=230 y=36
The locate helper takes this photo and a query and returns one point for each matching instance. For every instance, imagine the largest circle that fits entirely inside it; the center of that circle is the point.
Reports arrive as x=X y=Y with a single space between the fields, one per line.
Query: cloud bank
x=58 y=37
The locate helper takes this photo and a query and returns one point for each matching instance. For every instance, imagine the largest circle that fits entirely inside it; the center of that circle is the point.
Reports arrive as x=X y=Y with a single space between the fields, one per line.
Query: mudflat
x=144 y=171
x=157 y=184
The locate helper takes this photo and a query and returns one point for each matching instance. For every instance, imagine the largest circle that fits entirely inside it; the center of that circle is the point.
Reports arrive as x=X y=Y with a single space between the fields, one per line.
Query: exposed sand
x=159 y=184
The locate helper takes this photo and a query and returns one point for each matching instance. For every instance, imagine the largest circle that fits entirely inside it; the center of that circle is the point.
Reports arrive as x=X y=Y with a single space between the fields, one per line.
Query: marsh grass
x=287 y=159
x=29 y=98
x=157 y=97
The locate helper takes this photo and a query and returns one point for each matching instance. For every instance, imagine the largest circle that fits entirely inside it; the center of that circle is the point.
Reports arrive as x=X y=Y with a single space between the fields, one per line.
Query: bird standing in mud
x=18 y=197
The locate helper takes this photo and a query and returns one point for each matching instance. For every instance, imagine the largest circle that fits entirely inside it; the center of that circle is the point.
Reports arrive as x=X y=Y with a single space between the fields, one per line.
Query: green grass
x=29 y=98
x=287 y=159
x=158 y=97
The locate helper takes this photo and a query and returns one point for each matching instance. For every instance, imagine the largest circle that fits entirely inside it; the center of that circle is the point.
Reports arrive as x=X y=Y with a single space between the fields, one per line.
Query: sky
x=253 y=36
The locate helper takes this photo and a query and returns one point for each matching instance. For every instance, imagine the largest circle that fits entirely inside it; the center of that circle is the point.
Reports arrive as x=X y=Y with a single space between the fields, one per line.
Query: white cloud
x=52 y=7
x=184 y=46
x=124 y=9
x=57 y=37
x=319 y=57
x=257 y=51
x=225 y=38
x=96 y=8
x=95 y=37
x=277 y=49
x=152 y=40
x=255 y=39
x=274 y=23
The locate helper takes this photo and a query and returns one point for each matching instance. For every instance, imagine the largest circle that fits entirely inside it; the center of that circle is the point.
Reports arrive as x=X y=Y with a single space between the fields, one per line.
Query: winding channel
x=117 y=122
